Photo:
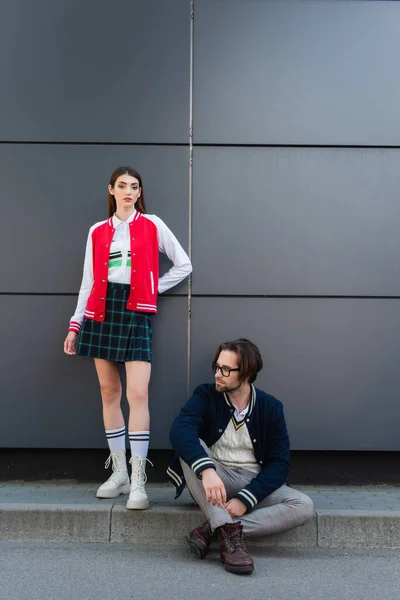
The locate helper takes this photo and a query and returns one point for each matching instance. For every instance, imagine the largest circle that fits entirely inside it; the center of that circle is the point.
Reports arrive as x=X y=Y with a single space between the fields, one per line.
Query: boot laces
x=115 y=463
x=237 y=540
x=205 y=529
x=139 y=477
x=234 y=540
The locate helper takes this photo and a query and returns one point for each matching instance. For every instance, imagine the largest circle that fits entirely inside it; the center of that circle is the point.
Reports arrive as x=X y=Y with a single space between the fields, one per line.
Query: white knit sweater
x=234 y=448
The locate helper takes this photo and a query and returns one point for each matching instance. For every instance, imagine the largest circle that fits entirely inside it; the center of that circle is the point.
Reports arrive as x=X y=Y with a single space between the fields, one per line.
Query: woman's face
x=126 y=191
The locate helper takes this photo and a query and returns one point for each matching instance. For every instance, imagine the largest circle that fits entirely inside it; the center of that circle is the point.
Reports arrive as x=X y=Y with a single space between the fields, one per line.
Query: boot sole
x=108 y=495
x=238 y=570
x=196 y=548
x=137 y=504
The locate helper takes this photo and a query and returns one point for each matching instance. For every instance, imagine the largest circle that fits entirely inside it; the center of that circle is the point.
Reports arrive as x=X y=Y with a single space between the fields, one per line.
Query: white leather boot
x=118 y=483
x=138 y=499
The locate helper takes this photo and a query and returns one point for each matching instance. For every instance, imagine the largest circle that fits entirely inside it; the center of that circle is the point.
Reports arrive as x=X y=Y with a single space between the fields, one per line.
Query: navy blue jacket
x=206 y=415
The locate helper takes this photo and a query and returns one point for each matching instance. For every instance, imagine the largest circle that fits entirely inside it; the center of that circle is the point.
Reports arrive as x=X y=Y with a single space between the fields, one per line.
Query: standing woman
x=116 y=301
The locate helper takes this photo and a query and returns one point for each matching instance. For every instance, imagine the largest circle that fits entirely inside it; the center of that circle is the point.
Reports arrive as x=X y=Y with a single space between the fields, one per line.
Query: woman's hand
x=214 y=487
x=69 y=344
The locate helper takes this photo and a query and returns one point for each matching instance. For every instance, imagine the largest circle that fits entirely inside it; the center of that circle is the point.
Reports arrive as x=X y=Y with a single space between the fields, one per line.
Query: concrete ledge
x=305 y=536
x=358 y=529
x=158 y=525
x=61 y=523
x=169 y=525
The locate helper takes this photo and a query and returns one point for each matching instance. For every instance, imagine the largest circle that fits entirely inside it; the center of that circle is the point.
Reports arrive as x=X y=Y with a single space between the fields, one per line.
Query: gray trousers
x=284 y=509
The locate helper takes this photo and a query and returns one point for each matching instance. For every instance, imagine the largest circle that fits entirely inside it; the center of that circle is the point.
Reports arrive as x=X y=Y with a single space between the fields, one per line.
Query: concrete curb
x=169 y=525
x=358 y=529
x=61 y=523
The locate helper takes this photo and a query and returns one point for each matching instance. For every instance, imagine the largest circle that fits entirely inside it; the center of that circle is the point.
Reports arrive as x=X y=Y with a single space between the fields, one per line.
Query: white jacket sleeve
x=169 y=245
x=86 y=287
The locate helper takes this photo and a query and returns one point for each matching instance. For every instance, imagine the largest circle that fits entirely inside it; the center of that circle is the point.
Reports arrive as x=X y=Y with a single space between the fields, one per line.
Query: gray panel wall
x=51 y=400
x=85 y=87
x=333 y=362
x=295 y=208
x=294 y=203
x=296 y=221
x=297 y=72
x=94 y=72
x=62 y=192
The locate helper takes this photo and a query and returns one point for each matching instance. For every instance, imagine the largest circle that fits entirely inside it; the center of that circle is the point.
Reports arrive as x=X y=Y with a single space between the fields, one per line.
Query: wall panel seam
x=189 y=313
x=63 y=143
x=277 y=145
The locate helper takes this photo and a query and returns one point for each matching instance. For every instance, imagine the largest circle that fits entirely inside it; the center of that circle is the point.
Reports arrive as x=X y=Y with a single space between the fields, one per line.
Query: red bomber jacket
x=148 y=235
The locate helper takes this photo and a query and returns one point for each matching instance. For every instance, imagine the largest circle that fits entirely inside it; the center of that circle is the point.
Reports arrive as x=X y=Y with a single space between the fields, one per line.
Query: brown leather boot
x=233 y=551
x=200 y=539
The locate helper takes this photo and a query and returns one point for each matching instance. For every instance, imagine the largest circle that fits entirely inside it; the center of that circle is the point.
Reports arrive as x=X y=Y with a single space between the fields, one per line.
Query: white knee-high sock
x=116 y=438
x=139 y=441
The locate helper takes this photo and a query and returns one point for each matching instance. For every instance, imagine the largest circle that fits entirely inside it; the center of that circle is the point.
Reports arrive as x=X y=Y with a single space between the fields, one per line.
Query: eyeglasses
x=225 y=371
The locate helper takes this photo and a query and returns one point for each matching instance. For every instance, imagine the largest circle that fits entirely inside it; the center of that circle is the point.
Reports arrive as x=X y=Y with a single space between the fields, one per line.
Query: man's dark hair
x=249 y=357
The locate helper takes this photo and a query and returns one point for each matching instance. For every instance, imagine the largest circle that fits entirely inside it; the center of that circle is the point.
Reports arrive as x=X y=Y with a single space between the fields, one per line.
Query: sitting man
x=233 y=447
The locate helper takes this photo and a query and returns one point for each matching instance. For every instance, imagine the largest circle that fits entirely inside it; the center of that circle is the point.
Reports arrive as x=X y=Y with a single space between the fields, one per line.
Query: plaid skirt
x=123 y=336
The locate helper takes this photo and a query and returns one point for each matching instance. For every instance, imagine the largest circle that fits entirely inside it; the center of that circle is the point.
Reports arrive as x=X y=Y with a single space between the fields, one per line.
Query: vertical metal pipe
x=189 y=341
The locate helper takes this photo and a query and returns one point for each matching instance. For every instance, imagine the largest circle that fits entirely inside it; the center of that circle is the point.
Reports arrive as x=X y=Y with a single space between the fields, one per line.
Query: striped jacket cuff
x=174 y=477
x=176 y=480
x=247 y=497
x=201 y=464
x=74 y=326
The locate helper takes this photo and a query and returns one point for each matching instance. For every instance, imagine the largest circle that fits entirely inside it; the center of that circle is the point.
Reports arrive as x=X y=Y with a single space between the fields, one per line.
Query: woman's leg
x=137 y=386
x=137 y=392
x=111 y=390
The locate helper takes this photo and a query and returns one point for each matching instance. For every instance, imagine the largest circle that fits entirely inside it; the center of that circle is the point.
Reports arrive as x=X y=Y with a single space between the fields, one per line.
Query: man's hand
x=236 y=508
x=214 y=488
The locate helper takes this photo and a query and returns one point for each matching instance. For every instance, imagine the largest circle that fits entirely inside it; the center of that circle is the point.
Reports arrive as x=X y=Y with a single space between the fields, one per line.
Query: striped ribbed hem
x=247 y=497
x=115 y=433
x=201 y=464
x=146 y=307
x=139 y=442
x=90 y=315
x=142 y=436
x=74 y=326
x=116 y=439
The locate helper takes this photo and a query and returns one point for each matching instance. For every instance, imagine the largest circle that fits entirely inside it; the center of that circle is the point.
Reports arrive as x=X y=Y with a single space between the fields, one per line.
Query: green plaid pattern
x=123 y=336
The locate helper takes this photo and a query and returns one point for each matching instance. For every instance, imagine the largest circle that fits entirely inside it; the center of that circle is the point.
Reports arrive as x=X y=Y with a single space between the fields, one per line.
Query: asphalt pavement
x=66 y=571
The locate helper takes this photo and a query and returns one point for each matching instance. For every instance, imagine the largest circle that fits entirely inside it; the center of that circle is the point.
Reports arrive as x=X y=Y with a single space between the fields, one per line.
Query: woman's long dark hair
x=140 y=204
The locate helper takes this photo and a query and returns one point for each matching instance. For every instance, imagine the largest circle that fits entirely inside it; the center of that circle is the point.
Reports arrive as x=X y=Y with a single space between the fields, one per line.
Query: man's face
x=229 y=360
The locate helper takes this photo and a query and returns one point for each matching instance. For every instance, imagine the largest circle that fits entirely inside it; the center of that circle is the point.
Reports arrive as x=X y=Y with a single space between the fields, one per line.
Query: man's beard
x=223 y=387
